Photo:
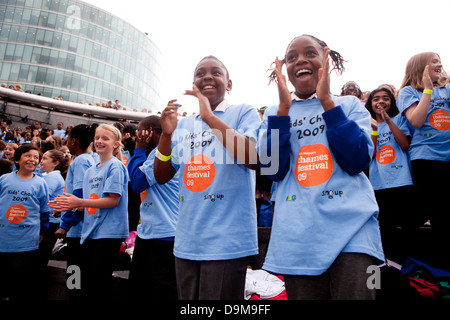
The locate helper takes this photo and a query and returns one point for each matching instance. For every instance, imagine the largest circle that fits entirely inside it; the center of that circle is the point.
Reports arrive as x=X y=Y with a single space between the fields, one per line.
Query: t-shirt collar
x=294 y=97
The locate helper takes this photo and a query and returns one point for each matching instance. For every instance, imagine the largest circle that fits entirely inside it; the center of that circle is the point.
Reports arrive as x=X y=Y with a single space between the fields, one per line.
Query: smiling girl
x=325 y=232
x=105 y=199
x=390 y=175
x=424 y=99
x=24 y=215
x=215 y=154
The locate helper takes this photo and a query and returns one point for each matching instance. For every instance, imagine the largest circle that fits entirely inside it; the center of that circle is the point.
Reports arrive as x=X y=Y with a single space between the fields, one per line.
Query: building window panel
x=40 y=34
x=50 y=77
x=4 y=35
x=62 y=60
x=15 y=68
x=23 y=73
x=32 y=74
x=18 y=13
x=31 y=35
x=9 y=53
x=6 y=71
x=18 y=53
x=14 y=33
x=27 y=54
x=48 y=39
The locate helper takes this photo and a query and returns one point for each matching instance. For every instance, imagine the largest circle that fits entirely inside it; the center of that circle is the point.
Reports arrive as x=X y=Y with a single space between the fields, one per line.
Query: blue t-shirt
x=126 y=156
x=159 y=206
x=391 y=166
x=320 y=209
x=217 y=212
x=74 y=181
x=23 y=212
x=432 y=140
x=55 y=183
x=100 y=181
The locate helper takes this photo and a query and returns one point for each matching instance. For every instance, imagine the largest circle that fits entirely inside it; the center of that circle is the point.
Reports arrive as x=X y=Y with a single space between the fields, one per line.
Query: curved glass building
x=75 y=50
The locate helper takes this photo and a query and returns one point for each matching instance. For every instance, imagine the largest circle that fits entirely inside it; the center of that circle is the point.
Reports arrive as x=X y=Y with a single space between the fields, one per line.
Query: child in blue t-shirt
x=424 y=99
x=53 y=163
x=215 y=155
x=24 y=215
x=152 y=270
x=316 y=146
x=105 y=224
x=390 y=175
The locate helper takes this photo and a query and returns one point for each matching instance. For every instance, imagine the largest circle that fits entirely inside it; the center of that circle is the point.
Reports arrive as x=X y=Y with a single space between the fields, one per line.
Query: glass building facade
x=76 y=50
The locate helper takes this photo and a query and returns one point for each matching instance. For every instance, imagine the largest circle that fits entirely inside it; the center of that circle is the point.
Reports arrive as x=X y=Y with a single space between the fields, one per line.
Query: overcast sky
x=376 y=38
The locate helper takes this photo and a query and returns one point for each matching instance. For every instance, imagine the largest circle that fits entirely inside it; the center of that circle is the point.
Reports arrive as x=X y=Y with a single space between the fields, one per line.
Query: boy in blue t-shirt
x=152 y=271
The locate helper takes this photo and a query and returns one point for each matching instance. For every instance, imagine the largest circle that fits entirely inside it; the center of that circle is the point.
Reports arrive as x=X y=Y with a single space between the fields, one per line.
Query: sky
x=376 y=38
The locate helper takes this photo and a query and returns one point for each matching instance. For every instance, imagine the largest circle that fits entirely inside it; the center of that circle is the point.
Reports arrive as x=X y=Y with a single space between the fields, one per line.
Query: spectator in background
x=38 y=126
x=364 y=96
x=59 y=130
x=350 y=88
x=117 y=105
x=390 y=87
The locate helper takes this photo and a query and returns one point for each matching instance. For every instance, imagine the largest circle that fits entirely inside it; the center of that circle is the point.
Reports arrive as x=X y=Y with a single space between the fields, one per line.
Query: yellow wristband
x=162 y=157
x=428 y=91
x=374 y=133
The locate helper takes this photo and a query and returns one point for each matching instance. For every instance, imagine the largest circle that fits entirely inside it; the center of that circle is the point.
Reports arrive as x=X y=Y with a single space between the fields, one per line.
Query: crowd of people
x=352 y=179
x=110 y=104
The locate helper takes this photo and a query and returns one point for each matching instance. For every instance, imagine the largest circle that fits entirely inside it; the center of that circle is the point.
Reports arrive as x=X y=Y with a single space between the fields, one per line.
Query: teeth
x=299 y=72
x=208 y=87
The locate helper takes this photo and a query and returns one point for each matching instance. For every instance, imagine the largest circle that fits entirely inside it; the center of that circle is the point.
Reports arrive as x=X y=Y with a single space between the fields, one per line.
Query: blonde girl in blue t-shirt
x=424 y=99
x=105 y=224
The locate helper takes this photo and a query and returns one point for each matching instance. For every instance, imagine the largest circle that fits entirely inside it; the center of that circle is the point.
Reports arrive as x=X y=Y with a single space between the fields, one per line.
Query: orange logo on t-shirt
x=440 y=120
x=125 y=161
x=92 y=210
x=199 y=173
x=143 y=195
x=314 y=165
x=16 y=213
x=385 y=155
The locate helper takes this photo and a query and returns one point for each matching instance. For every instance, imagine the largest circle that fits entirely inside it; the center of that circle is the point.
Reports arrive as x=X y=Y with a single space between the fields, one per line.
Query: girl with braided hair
x=325 y=232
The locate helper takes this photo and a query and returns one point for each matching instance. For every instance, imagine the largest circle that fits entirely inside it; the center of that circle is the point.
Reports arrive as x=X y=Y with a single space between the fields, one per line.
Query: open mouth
x=303 y=72
x=208 y=87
